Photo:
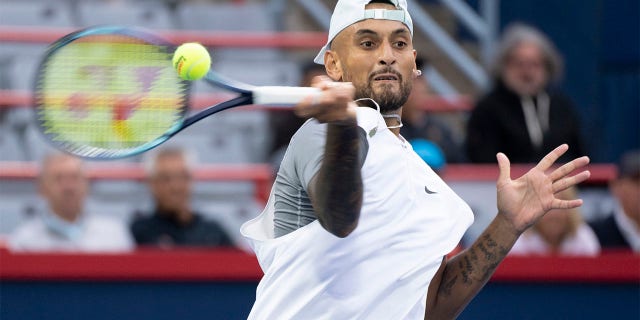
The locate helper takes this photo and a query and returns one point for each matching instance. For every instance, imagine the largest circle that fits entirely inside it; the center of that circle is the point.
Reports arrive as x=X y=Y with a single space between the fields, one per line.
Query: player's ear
x=332 y=65
x=416 y=72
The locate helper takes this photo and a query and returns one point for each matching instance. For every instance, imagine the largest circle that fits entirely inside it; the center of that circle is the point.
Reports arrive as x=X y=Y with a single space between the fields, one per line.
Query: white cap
x=348 y=12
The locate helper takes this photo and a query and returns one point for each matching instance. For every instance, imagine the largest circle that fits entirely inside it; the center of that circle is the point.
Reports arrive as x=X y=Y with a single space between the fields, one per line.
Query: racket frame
x=247 y=94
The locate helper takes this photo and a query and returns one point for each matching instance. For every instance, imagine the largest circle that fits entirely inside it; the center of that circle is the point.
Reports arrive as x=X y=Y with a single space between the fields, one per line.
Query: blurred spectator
x=173 y=222
x=521 y=116
x=285 y=123
x=559 y=232
x=65 y=226
x=621 y=229
x=418 y=124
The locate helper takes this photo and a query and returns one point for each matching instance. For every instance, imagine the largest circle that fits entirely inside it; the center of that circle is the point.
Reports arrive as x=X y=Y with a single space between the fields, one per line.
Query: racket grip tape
x=283 y=95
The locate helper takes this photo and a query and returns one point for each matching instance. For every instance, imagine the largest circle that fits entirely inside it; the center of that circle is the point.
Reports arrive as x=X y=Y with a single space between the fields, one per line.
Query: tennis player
x=357 y=225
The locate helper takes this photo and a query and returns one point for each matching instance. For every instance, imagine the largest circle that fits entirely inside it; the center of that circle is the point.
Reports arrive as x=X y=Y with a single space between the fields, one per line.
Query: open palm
x=525 y=200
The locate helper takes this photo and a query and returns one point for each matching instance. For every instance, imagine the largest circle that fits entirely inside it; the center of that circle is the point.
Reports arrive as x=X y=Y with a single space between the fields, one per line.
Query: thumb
x=505 y=167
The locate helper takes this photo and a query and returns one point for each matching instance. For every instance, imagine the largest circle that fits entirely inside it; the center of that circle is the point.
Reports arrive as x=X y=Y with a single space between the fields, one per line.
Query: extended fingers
x=552 y=157
x=560 y=178
x=566 y=204
x=569 y=167
x=569 y=182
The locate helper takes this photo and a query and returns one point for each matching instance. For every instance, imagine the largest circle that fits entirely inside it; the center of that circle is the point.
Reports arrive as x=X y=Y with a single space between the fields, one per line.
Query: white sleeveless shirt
x=410 y=219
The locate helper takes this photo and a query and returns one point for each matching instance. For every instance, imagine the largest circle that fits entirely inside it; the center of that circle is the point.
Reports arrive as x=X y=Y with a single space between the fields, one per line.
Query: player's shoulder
x=309 y=128
x=309 y=138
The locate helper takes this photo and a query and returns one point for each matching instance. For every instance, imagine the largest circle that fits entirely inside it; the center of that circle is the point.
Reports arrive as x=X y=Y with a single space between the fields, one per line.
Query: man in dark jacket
x=173 y=222
x=621 y=229
x=521 y=116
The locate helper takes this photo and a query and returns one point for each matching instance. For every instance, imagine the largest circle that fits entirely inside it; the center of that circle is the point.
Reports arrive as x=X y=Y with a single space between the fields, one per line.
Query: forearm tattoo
x=339 y=183
x=474 y=267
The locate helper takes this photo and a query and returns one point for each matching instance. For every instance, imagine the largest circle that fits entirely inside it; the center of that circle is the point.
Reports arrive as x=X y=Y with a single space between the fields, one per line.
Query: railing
x=236 y=265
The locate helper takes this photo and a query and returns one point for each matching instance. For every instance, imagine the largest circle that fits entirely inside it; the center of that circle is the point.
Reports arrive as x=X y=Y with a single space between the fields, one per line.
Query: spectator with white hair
x=65 y=225
x=173 y=222
x=523 y=115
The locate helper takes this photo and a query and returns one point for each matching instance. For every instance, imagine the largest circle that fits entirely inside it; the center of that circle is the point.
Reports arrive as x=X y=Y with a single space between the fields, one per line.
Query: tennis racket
x=112 y=92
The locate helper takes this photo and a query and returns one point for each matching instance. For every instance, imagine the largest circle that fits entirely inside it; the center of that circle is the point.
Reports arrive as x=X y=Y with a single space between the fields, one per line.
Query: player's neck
x=394 y=122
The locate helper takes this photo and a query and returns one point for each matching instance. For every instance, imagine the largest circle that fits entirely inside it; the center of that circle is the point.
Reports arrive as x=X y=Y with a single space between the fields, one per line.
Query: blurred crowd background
x=480 y=93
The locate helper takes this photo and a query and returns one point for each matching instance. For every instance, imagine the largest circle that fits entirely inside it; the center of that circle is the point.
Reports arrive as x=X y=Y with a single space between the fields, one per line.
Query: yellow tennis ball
x=191 y=61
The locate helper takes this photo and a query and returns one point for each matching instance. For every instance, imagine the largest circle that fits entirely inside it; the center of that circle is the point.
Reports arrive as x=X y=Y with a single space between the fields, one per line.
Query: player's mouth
x=386 y=77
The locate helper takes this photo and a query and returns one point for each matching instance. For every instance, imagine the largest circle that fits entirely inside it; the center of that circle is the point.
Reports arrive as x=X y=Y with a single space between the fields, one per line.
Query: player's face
x=377 y=56
x=64 y=185
x=171 y=183
x=525 y=71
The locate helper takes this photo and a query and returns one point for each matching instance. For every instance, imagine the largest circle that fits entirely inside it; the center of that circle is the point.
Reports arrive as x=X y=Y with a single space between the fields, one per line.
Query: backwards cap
x=348 y=12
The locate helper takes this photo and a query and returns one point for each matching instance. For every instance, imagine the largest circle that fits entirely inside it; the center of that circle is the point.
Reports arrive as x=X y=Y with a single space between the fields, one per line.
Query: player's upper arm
x=308 y=146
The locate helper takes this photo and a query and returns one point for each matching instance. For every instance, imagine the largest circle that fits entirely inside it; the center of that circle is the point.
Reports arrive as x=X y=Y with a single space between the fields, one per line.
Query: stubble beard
x=386 y=96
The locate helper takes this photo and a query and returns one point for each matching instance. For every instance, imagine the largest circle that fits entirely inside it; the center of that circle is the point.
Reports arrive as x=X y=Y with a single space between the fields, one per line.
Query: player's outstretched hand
x=335 y=104
x=524 y=200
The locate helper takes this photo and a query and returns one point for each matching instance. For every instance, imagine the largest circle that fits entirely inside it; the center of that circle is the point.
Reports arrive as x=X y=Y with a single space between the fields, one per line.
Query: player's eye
x=367 y=44
x=401 y=44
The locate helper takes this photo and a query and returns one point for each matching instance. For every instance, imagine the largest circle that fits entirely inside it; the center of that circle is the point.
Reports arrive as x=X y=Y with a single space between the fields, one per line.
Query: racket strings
x=109 y=93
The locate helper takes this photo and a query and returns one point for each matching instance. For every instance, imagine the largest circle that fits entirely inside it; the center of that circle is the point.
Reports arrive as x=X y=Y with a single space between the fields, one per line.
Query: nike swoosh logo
x=428 y=191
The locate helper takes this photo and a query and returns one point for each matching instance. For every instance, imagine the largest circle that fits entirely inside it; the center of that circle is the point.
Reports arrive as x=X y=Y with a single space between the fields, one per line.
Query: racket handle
x=282 y=95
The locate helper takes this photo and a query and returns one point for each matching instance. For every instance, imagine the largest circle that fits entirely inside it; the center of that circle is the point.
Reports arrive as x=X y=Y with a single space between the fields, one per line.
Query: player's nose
x=386 y=55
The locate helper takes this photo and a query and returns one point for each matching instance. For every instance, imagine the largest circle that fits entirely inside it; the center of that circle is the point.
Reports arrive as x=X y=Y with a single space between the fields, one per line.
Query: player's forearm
x=466 y=273
x=338 y=197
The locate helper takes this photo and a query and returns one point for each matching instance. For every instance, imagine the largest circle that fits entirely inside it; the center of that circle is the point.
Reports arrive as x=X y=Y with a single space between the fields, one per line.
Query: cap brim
x=320 y=57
